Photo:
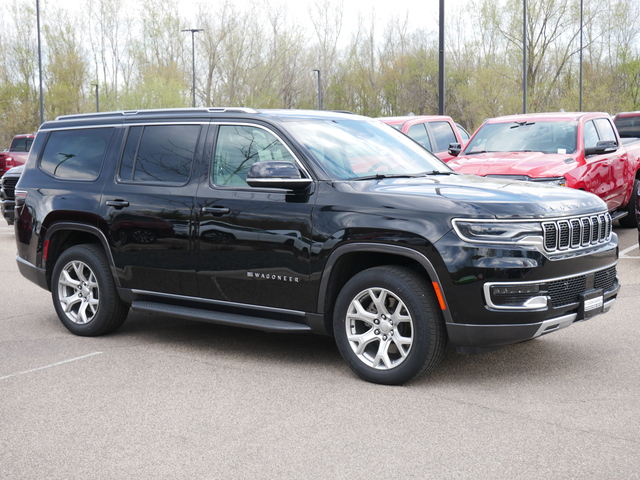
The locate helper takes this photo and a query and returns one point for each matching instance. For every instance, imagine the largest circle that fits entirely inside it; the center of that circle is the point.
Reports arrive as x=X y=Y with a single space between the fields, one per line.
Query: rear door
x=148 y=207
x=253 y=243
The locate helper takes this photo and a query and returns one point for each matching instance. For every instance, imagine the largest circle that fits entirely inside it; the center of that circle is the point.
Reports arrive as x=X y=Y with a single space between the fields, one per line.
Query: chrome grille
x=576 y=232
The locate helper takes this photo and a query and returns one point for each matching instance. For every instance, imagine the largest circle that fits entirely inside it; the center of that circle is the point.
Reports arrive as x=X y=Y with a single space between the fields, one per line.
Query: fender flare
x=339 y=252
x=91 y=229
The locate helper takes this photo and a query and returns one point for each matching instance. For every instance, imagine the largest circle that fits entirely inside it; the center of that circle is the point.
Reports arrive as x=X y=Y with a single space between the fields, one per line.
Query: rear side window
x=76 y=154
x=159 y=153
x=443 y=135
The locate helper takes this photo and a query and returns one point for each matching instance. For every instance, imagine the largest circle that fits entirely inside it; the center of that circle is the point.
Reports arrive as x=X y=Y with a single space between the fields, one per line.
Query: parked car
x=577 y=150
x=17 y=152
x=628 y=124
x=7 y=192
x=435 y=132
x=302 y=221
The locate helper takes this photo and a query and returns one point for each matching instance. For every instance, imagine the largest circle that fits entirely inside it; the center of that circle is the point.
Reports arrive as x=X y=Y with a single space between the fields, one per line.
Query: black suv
x=301 y=221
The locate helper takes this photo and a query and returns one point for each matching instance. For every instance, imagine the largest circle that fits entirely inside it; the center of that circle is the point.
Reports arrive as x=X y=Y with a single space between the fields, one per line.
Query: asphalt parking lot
x=166 y=398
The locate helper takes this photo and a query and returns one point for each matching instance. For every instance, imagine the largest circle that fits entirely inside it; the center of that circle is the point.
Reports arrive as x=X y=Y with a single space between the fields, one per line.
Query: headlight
x=496 y=231
x=558 y=181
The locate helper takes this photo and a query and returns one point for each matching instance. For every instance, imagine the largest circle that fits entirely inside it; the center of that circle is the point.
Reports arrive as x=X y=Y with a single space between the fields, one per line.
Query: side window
x=238 y=147
x=590 y=135
x=443 y=135
x=76 y=154
x=21 y=144
x=419 y=134
x=605 y=129
x=159 y=153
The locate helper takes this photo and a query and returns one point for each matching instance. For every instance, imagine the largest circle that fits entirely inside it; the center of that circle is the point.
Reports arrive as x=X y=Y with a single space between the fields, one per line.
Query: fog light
x=520 y=296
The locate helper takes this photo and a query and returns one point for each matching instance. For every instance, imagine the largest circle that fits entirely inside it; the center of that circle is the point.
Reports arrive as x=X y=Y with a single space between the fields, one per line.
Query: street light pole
x=319 y=89
x=97 y=96
x=193 y=59
x=524 y=56
x=40 y=62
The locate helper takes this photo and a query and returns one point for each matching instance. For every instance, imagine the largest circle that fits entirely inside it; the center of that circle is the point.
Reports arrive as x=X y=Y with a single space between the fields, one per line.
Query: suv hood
x=477 y=197
x=532 y=164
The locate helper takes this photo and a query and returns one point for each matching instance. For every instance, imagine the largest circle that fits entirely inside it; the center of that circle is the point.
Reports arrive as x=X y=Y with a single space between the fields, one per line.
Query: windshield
x=355 y=149
x=533 y=136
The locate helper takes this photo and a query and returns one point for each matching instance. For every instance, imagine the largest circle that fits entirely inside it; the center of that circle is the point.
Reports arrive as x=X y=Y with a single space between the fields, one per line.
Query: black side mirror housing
x=455 y=149
x=602 y=147
x=276 y=174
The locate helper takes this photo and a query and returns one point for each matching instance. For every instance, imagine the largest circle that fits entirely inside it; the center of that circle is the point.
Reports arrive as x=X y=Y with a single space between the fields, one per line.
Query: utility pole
x=319 y=89
x=97 y=96
x=193 y=59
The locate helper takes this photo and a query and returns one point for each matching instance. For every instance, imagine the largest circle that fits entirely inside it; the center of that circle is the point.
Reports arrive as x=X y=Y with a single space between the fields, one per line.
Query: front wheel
x=388 y=326
x=84 y=293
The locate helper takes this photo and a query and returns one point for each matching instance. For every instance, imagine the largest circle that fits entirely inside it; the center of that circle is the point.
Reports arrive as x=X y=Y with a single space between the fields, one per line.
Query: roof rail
x=232 y=110
x=157 y=111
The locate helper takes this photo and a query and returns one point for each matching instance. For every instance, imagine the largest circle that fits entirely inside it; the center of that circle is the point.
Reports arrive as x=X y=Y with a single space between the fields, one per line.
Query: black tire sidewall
x=428 y=328
x=108 y=315
x=631 y=219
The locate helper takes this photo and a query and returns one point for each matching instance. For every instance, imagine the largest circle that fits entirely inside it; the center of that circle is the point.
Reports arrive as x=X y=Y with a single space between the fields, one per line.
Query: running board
x=619 y=214
x=223 y=318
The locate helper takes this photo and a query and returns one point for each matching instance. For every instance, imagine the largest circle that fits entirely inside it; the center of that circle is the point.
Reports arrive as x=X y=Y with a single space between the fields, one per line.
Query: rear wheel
x=388 y=326
x=84 y=293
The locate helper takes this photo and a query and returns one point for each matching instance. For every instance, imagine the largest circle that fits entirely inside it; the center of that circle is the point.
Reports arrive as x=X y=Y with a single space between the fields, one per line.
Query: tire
x=377 y=307
x=631 y=220
x=84 y=293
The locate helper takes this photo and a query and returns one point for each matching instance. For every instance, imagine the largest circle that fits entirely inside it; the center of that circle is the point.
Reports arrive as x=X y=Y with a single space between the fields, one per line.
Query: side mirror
x=276 y=175
x=455 y=149
x=602 y=147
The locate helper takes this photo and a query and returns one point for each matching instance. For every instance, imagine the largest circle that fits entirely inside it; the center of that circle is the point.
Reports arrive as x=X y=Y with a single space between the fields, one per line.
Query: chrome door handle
x=216 y=211
x=117 y=204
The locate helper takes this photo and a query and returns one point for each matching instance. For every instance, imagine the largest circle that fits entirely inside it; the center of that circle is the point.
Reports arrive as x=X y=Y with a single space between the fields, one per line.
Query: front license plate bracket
x=591 y=303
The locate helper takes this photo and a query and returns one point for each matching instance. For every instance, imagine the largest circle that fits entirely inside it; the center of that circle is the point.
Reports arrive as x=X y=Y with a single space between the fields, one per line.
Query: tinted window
x=237 y=148
x=443 y=135
x=605 y=129
x=628 y=126
x=419 y=134
x=159 y=153
x=21 y=144
x=76 y=154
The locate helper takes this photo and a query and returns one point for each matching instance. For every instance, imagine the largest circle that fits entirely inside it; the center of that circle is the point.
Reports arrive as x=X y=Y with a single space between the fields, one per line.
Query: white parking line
x=623 y=253
x=49 y=366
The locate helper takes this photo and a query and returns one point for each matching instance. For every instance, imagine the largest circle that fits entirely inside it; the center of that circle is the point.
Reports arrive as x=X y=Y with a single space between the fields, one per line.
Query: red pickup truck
x=17 y=153
x=577 y=150
x=435 y=132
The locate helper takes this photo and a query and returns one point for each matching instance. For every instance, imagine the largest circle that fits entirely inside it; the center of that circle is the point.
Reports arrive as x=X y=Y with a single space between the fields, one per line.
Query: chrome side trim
x=218 y=302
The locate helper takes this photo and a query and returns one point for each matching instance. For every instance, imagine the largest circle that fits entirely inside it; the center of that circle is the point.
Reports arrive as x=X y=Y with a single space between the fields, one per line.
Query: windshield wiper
x=441 y=172
x=521 y=124
x=382 y=176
